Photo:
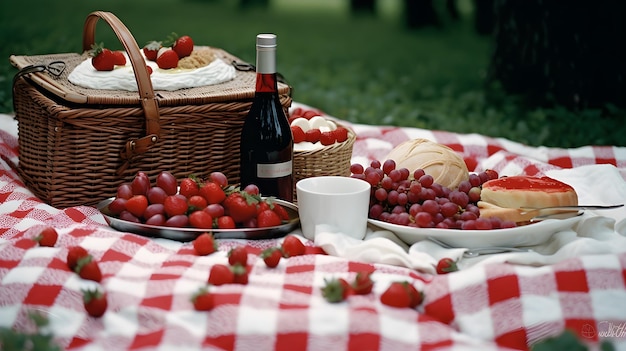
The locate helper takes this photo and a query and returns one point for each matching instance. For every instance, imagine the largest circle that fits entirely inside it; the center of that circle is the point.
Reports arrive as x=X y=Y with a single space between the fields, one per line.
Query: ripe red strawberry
x=313 y=135
x=396 y=295
x=183 y=46
x=137 y=205
x=292 y=246
x=102 y=59
x=268 y=218
x=87 y=268
x=204 y=244
x=151 y=50
x=446 y=265
x=401 y=294
x=225 y=222
x=262 y=206
x=416 y=296
x=308 y=114
x=341 y=134
x=119 y=58
x=238 y=255
x=240 y=274
x=221 y=274
x=95 y=302
x=363 y=283
x=167 y=59
x=175 y=205
x=281 y=212
x=201 y=220
x=327 y=138
x=188 y=187
x=271 y=256
x=212 y=192
x=149 y=70
x=298 y=134
x=47 y=237
x=203 y=300
x=74 y=254
x=241 y=206
x=197 y=202
x=336 y=290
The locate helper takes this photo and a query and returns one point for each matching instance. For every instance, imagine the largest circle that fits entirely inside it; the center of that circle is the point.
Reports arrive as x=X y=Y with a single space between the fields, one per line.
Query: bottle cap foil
x=266 y=41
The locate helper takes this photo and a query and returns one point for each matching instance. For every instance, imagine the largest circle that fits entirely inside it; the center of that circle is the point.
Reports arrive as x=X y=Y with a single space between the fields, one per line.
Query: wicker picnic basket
x=77 y=145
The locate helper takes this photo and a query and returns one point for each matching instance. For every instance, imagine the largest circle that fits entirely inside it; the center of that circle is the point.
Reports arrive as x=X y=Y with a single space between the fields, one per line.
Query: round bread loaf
x=441 y=162
x=506 y=197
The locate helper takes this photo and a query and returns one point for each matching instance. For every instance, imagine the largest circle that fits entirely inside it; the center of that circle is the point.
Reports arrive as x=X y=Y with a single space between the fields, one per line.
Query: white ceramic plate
x=527 y=235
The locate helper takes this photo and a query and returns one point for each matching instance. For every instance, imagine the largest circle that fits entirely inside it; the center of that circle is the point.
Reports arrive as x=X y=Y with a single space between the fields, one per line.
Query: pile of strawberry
x=238 y=268
x=314 y=135
x=166 y=53
x=192 y=202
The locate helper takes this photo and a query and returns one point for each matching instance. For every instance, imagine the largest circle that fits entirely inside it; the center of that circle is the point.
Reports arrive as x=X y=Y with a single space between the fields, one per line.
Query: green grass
x=362 y=69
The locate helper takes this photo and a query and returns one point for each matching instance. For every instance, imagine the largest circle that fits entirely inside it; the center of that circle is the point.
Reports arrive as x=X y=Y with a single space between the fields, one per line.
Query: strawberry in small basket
x=310 y=126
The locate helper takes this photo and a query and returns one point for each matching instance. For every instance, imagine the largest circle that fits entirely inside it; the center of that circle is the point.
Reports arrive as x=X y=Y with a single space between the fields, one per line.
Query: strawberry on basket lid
x=441 y=162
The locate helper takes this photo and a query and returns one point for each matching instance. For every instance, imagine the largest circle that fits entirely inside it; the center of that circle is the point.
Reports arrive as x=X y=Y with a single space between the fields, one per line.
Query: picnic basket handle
x=144 y=84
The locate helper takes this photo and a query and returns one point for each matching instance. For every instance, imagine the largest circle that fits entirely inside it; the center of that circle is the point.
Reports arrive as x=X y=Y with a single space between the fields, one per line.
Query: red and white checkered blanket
x=149 y=282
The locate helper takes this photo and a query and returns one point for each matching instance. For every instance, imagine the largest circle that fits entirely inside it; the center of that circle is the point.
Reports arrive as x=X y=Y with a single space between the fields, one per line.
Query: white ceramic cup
x=334 y=203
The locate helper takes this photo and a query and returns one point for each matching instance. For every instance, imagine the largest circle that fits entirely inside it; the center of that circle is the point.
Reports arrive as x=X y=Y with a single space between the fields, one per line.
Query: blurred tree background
x=550 y=54
x=540 y=72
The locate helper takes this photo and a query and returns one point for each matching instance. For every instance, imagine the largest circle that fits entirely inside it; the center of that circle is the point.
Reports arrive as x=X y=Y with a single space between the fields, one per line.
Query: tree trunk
x=363 y=7
x=571 y=54
x=484 y=16
x=420 y=13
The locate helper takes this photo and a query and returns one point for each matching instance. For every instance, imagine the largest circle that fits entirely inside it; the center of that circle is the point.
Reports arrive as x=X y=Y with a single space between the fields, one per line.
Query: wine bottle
x=266 y=140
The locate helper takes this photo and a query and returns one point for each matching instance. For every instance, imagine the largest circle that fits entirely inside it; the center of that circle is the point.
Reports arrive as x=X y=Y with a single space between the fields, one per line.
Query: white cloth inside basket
x=123 y=78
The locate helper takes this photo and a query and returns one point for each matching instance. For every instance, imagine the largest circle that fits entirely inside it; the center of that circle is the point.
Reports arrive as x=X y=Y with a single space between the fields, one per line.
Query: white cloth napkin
x=597 y=232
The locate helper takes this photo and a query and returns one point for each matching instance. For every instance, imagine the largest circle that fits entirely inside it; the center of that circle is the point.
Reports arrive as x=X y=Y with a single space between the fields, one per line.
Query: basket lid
x=240 y=88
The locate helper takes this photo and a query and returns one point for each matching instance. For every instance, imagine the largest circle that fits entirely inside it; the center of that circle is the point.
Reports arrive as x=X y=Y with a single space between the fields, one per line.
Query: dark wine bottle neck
x=266 y=83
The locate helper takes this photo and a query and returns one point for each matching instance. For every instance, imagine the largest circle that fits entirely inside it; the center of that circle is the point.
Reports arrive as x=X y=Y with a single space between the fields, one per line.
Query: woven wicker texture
x=71 y=138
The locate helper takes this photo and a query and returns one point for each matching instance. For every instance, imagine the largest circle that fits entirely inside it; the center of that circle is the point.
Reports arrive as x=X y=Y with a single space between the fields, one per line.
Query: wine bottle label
x=274 y=170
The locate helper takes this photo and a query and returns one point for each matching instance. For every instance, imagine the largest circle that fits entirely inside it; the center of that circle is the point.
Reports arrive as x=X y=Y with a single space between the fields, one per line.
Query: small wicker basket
x=331 y=160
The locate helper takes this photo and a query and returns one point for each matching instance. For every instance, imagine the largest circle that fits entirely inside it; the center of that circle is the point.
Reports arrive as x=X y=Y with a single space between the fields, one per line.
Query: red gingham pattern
x=150 y=282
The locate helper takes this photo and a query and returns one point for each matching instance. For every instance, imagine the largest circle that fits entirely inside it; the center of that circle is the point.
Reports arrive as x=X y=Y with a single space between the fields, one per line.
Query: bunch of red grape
x=415 y=200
